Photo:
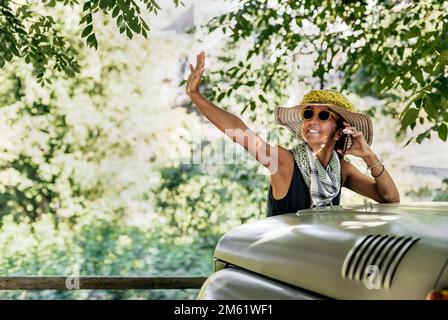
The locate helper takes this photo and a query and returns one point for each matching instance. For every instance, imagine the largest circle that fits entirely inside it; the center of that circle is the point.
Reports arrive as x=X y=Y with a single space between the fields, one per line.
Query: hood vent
x=382 y=253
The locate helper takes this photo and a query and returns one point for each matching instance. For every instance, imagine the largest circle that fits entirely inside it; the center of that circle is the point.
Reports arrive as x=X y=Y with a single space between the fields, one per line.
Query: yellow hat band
x=328 y=96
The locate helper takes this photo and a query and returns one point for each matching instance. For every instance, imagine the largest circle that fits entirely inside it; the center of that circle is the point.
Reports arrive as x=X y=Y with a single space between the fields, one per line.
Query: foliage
x=37 y=193
x=391 y=50
x=44 y=140
x=71 y=147
x=204 y=201
x=27 y=33
x=95 y=247
x=77 y=166
x=427 y=193
x=442 y=193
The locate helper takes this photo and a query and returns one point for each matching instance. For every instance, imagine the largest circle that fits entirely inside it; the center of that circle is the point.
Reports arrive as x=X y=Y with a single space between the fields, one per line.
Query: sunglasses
x=322 y=115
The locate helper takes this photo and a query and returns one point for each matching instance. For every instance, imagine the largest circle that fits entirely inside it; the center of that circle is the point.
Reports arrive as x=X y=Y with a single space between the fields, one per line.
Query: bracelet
x=370 y=168
x=379 y=173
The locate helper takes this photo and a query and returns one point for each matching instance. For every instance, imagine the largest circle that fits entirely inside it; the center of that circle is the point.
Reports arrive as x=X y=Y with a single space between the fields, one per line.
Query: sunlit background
x=96 y=170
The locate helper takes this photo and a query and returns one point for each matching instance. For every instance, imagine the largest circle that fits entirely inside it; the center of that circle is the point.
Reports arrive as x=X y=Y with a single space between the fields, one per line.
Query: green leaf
x=424 y=135
x=144 y=33
x=144 y=26
x=212 y=28
x=409 y=117
x=406 y=84
x=116 y=11
x=262 y=98
x=222 y=18
x=418 y=75
x=129 y=33
x=135 y=26
x=442 y=86
x=156 y=6
x=86 y=6
x=221 y=96
x=91 y=41
x=430 y=107
x=104 y=4
x=119 y=22
x=408 y=142
x=443 y=131
x=87 y=31
x=252 y=105
x=14 y=50
x=414 y=32
x=7 y=55
x=250 y=54
x=86 y=19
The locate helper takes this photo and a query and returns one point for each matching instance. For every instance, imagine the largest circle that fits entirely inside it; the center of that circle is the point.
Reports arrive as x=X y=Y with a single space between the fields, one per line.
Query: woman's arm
x=229 y=124
x=383 y=181
x=381 y=187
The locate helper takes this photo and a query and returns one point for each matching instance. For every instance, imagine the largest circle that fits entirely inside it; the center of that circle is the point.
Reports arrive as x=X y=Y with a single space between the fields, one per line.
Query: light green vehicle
x=381 y=251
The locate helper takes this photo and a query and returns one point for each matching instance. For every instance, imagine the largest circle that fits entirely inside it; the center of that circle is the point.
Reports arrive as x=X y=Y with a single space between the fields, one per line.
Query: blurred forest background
x=97 y=134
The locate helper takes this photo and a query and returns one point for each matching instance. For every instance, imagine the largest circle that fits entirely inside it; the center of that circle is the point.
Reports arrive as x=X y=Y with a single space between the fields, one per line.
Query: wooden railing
x=98 y=283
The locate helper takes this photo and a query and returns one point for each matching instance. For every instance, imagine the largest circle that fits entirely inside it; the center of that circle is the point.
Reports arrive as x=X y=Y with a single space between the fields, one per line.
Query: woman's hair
x=340 y=125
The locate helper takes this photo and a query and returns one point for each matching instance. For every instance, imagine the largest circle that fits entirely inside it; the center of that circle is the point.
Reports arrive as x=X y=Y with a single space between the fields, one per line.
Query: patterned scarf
x=323 y=184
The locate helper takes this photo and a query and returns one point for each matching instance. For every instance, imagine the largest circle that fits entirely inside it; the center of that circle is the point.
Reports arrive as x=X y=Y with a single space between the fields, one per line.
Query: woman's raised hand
x=194 y=80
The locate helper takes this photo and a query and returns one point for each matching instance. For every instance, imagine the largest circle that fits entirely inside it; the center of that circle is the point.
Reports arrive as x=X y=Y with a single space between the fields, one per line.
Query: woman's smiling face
x=318 y=132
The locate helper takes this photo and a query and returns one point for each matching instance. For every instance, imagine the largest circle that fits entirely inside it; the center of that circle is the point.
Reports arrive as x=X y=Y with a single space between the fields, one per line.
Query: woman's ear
x=338 y=134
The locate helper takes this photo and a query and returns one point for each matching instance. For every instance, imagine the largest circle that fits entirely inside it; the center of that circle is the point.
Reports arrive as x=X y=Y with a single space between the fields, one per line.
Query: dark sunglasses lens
x=308 y=114
x=324 y=115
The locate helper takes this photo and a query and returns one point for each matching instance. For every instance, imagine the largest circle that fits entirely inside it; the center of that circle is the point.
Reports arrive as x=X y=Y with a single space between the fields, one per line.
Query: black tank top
x=297 y=198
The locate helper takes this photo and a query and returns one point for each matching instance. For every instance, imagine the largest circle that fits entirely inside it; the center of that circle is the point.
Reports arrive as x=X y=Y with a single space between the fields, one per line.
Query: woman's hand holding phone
x=359 y=146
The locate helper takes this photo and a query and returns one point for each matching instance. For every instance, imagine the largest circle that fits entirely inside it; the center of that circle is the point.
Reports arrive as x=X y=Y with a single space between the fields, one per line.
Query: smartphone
x=346 y=138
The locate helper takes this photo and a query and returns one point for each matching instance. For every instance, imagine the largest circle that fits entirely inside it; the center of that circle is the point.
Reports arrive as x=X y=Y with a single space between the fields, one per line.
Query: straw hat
x=338 y=103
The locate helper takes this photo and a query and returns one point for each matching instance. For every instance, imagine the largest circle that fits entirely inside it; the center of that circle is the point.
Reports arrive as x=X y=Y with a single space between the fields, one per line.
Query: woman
x=313 y=172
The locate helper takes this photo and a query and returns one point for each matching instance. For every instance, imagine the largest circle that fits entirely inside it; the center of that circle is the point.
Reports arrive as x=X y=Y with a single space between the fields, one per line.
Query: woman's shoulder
x=285 y=155
x=286 y=162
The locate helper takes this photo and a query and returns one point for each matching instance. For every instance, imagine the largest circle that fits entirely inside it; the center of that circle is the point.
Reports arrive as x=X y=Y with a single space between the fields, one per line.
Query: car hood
x=383 y=251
